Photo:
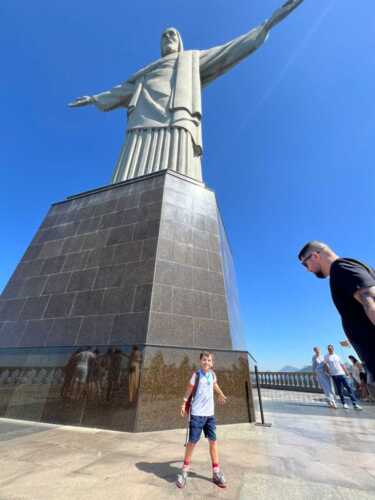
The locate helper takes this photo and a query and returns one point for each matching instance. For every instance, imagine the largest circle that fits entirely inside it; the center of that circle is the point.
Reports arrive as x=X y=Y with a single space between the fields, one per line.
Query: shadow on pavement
x=166 y=470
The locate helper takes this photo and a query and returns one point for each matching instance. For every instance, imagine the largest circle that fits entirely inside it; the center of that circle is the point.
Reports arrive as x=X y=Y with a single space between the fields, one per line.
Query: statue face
x=169 y=42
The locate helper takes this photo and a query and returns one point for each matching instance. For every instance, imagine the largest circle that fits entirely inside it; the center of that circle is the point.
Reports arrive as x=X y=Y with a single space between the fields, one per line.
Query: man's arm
x=218 y=60
x=366 y=297
x=345 y=370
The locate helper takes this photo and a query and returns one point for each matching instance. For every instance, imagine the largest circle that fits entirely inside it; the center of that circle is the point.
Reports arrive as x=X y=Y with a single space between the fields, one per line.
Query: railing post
x=290 y=381
x=262 y=423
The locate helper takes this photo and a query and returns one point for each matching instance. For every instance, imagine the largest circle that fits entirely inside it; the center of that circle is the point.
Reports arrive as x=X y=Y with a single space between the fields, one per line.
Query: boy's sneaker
x=345 y=406
x=181 y=479
x=219 y=479
x=357 y=407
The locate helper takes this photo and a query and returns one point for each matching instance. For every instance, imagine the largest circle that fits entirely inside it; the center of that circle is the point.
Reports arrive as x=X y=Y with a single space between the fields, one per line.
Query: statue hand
x=281 y=13
x=292 y=3
x=81 y=101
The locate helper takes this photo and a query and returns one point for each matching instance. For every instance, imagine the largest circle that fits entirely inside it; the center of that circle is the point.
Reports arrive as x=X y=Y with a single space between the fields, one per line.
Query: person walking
x=338 y=372
x=359 y=376
x=202 y=386
x=324 y=379
x=352 y=286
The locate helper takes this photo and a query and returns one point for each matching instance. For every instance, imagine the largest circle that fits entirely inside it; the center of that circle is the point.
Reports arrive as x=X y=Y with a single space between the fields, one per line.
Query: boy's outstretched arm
x=222 y=398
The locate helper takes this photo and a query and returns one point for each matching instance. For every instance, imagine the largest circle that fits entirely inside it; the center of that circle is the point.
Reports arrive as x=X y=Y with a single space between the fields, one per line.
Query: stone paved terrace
x=310 y=452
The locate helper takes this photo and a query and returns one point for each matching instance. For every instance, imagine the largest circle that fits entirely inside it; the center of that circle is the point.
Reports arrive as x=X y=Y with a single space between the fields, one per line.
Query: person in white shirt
x=338 y=372
x=200 y=391
x=325 y=381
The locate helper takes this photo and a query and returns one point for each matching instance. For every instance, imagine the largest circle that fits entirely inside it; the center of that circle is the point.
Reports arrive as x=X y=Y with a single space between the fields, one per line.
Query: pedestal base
x=143 y=262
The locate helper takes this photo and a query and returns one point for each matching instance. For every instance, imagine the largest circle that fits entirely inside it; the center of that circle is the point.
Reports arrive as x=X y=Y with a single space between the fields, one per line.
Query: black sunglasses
x=304 y=261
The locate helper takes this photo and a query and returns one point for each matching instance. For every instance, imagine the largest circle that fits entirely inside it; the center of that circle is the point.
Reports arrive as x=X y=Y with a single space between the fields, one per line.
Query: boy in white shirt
x=338 y=372
x=202 y=417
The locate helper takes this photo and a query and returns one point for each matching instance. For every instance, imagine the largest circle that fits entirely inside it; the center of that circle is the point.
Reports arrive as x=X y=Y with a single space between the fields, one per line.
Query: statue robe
x=164 y=107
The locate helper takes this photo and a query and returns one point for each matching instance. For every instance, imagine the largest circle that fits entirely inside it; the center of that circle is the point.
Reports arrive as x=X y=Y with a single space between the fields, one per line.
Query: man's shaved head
x=317 y=257
x=312 y=246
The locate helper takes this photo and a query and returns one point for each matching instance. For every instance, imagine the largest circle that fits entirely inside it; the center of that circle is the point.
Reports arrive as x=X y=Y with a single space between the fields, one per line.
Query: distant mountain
x=288 y=368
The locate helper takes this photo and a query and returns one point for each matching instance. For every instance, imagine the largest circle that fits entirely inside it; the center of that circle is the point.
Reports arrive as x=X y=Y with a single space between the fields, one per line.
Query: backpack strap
x=195 y=388
x=192 y=395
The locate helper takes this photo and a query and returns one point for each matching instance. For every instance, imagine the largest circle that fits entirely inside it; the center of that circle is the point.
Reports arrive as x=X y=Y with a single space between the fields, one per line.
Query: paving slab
x=309 y=452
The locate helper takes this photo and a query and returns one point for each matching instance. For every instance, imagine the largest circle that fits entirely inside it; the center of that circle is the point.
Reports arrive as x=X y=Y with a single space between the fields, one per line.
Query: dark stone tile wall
x=40 y=384
x=95 y=255
x=87 y=276
x=188 y=305
x=144 y=263
x=125 y=393
x=165 y=373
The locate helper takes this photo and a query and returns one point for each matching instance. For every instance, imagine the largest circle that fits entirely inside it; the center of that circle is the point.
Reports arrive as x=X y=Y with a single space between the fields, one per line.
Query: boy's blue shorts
x=197 y=424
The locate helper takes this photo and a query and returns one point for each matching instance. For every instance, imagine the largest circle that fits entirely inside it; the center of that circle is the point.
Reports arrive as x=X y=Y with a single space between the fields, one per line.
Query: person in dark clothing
x=352 y=286
x=69 y=372
x=114 y=371
x=359 y=377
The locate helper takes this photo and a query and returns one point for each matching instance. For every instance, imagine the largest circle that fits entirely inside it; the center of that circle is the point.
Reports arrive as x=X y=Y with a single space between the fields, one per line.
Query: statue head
x=170 y=42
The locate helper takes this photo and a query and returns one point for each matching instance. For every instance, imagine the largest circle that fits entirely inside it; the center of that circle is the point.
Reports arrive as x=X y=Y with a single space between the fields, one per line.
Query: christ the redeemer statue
x=163 y=101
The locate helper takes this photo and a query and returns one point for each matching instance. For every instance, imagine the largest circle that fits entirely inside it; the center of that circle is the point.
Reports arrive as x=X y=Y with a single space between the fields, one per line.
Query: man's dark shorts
x=197 y=424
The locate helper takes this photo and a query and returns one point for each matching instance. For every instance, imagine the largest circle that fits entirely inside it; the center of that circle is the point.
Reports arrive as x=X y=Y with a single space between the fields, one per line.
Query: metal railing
x=290 y=381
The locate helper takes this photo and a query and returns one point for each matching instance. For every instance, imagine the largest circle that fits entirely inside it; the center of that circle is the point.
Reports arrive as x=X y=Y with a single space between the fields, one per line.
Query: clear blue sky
x=288 y=137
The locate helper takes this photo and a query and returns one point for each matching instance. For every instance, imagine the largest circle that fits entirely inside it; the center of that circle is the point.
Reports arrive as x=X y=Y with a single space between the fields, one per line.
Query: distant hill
x=307 y=368
x=288 y=368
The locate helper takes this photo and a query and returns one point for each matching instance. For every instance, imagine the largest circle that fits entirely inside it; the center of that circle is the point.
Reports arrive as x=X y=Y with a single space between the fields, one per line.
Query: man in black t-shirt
x=353 y=292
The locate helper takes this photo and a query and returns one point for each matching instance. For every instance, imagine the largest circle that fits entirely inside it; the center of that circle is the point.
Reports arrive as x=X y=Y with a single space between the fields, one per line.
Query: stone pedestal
x=144 y=262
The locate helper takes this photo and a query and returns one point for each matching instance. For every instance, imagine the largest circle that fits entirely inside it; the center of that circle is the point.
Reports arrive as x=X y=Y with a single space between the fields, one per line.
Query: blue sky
x=288 y=138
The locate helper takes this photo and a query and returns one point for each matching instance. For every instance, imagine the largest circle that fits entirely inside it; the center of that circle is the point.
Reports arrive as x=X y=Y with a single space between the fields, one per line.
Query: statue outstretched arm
x=117 y=97
x=218 y=60
x=281 y=13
